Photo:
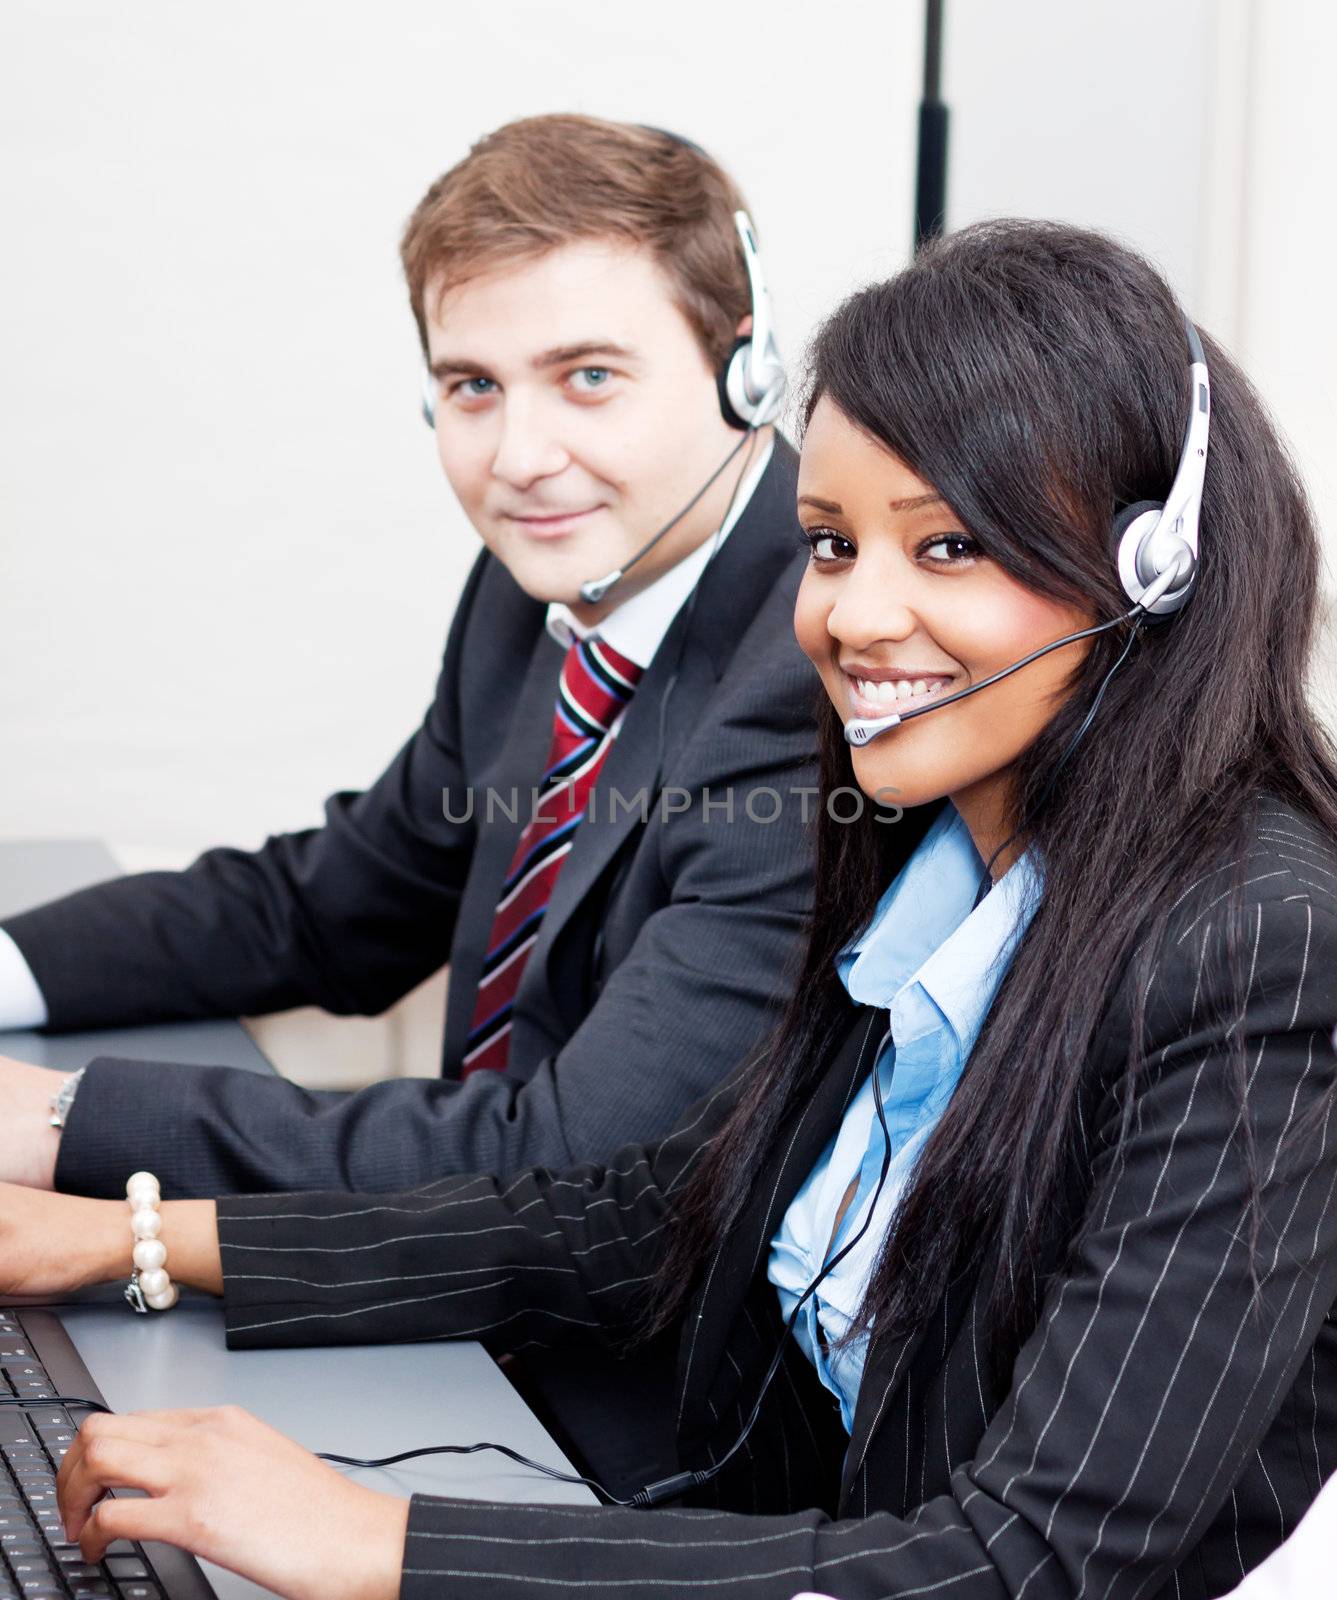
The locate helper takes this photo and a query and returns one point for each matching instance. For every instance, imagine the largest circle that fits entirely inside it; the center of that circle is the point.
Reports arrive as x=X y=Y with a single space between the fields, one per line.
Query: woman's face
x=897 y=592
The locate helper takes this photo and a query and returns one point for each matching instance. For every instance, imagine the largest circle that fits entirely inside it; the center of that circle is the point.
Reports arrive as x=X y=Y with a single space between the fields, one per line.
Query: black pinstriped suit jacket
x=1162 y=1430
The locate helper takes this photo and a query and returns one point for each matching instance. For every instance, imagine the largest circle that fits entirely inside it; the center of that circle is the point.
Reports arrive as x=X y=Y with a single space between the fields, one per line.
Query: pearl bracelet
x=150 y=1288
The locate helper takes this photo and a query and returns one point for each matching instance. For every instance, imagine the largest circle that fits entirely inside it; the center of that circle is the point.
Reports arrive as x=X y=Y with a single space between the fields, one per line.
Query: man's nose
x=528 y=448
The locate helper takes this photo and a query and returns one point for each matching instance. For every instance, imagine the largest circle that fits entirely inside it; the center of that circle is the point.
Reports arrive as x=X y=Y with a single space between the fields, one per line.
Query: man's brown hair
x=547 y=181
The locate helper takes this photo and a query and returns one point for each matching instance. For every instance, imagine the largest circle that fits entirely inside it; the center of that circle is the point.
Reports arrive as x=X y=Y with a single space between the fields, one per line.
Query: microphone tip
x=594 y=591
x=862 y=730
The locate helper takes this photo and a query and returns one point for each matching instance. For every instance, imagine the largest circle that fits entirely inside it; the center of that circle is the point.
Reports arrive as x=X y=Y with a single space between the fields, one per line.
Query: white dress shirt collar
x=636 y=628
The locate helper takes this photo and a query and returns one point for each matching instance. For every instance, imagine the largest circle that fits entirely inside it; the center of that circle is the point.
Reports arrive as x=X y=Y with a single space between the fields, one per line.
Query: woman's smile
x=874 y=693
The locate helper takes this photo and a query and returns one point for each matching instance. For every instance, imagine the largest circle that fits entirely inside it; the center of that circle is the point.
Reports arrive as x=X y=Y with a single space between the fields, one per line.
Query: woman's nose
x=865 y=611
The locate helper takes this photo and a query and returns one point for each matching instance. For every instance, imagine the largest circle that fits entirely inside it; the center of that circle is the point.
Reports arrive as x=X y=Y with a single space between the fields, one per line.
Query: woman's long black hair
x=1037 y=376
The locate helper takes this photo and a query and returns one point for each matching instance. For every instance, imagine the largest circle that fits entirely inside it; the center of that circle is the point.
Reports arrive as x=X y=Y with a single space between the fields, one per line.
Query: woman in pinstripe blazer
x=1098 y=1355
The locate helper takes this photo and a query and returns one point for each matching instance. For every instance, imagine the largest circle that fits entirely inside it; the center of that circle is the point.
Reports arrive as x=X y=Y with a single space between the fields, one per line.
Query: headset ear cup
x=427 y=396
x=1129 y=528
x=1123 y=520
x=736 y=356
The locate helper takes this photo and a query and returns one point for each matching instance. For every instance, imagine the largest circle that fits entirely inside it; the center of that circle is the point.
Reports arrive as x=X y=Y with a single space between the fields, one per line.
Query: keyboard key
x=126 y=1567
x=50 y=1417
x=91 y=1589
x=24 y=1567
x=24 y=1371
x=139 y=1591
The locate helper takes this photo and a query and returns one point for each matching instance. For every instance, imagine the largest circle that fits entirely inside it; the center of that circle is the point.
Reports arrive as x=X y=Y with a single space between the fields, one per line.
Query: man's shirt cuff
x=21 y=1002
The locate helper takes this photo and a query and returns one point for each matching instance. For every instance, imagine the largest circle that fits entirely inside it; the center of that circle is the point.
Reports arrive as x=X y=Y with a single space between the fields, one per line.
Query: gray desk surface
x=369 y=1400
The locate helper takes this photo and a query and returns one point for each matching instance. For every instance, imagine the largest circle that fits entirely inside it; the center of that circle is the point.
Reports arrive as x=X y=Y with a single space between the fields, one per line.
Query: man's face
x=576 y=414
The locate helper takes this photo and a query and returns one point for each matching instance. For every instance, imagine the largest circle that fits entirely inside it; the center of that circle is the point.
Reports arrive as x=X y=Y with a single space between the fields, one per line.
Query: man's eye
x=590 y=378
x=827 y=545
x=964 y=548
x=472 y=388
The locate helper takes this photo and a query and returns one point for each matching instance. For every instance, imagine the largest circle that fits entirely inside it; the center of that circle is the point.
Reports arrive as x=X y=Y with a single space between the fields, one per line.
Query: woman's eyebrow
x=916 y=502
x=819 y=504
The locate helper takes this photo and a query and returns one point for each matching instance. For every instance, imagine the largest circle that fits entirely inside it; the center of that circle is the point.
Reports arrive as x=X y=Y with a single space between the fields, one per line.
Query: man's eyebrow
x=560 y=356
x=562 y=353
x=445 y=366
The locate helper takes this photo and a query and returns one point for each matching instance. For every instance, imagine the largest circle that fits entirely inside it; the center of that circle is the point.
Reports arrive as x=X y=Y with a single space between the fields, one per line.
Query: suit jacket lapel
x=697 y=648
x=518 y=767
x=742 y=1256
x=889 y=1361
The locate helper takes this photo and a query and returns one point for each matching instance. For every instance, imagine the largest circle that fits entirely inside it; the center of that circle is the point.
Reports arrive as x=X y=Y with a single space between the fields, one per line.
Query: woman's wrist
x=190 y=1232
x=376 y=1553
x=95 y=1239
x=98 y=1241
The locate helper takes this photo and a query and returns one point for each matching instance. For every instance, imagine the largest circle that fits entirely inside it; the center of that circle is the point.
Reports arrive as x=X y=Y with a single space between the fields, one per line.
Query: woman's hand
x=50 y=1243
x=227 y=1487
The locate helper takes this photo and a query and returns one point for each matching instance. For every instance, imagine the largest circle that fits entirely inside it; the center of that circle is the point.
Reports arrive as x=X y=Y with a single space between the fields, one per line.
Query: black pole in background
x=931 y=181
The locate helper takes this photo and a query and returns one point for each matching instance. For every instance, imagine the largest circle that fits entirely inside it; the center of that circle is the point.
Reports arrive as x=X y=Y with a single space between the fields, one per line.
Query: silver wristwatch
x=63 y=1098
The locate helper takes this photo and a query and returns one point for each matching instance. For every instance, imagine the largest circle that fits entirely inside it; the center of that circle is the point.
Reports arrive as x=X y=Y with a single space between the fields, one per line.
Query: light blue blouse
x=935 y=965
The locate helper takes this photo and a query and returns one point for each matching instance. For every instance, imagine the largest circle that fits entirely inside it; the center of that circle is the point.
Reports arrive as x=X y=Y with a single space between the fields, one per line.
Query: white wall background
x=226 y=560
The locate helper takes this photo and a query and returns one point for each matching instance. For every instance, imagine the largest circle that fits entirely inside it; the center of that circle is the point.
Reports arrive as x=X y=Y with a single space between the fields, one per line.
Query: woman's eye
x=590 y=378
x=827 y=545
x=963 y=548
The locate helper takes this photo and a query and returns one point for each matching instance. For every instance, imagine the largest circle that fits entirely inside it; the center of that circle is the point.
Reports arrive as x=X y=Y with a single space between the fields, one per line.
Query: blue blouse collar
x=924 y=931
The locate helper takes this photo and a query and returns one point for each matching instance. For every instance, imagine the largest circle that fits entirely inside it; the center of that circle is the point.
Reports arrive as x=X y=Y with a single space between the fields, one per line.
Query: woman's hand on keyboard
x=227 y=1487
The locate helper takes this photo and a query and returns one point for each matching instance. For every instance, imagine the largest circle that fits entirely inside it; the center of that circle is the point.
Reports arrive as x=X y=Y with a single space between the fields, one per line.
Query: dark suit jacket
x=1162 y=1430
x=657 y=964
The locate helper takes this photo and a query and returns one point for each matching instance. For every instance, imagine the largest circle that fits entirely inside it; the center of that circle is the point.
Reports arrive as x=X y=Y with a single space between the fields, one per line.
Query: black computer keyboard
x=37 y=1562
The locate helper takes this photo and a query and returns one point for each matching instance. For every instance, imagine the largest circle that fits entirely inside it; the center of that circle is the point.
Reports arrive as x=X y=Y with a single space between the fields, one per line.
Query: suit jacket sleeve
x=349 y=916
x=1162 y=1355
x=696 y=989
x=540 y=1259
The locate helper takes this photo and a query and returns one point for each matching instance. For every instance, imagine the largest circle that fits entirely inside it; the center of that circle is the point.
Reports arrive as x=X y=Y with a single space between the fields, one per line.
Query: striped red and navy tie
x=596 y=683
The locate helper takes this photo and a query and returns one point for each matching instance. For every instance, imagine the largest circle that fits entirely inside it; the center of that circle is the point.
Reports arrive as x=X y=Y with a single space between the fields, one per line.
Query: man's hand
x=227 y=1487
x=28 y=1142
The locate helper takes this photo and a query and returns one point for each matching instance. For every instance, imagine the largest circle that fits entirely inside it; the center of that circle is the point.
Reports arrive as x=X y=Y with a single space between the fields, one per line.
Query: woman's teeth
x=888 y=694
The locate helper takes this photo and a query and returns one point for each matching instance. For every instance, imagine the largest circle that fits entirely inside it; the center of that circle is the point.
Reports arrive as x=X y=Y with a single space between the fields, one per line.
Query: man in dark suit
x=579 y=287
